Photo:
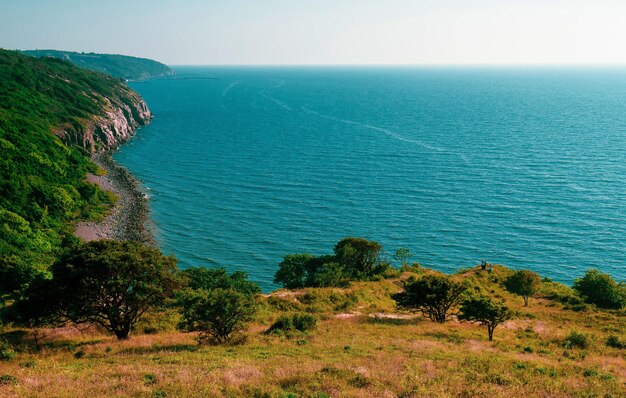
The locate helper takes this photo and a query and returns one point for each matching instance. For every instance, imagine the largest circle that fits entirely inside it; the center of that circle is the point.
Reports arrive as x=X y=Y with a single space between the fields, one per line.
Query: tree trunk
x=490 y=331
x=525 y=301
x=122 y=332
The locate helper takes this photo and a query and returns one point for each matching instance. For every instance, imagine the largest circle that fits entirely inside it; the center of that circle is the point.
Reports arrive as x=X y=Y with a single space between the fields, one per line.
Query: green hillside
x=42 y=181
x=122 y=66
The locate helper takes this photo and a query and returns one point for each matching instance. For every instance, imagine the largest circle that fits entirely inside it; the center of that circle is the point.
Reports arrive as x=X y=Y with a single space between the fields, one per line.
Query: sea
x=521 y=166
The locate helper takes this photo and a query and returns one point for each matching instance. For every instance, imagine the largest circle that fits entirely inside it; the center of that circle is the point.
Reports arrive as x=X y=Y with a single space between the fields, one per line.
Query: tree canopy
x=485 y=311
x=105 y=282
x=601 y=289
x=434 y=296
x=523 y=282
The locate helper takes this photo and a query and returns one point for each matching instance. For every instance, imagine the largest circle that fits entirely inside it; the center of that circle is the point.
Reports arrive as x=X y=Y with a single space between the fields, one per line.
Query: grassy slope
x=363 y=347
x=121 y=66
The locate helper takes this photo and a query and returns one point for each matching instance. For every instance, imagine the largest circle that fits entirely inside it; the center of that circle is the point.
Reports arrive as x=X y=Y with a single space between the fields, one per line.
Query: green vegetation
x=287 y=324
x=321 y=341
x=108 y=283
x=42 y=181
x=121 y=66
x=354 y=259
x=435 y=296
x=484 y=311
x=600 y=289
x=523 y=282
x=217 y=315
x=216 y=305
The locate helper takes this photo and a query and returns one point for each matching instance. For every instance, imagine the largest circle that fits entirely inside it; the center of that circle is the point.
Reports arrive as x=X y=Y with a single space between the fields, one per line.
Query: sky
x=334 y=32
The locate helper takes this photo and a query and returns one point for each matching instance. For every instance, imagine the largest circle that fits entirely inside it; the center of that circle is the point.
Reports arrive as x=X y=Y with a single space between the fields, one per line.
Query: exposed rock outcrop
x=117 y=123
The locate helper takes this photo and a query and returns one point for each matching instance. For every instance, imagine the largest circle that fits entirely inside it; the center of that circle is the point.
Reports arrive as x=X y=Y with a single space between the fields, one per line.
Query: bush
x=7 y=353
x=6 y=380
x=293 y=323
x=576 y=340
x=615 y=342
x=601 y=289
x=217 y=315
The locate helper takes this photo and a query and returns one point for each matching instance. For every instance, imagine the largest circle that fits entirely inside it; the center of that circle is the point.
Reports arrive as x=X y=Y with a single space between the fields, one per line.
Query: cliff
x=122 y=66
x=117 y=122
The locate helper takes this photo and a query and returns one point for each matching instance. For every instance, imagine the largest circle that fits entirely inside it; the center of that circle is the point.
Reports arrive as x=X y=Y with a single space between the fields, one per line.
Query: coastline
x=128 y=218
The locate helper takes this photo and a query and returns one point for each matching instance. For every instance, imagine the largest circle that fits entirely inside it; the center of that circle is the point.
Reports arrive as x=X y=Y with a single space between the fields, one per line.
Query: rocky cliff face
x=121 y=116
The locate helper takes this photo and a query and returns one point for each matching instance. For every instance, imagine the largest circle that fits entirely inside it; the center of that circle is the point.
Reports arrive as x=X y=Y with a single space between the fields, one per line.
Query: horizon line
x=495 y=65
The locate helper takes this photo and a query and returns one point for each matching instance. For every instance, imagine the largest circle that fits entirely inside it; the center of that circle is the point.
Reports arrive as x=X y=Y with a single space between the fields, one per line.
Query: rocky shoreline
x=128 y=220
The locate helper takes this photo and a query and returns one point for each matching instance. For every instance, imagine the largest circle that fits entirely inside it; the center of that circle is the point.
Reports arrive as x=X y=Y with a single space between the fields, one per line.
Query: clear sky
x=180 y=32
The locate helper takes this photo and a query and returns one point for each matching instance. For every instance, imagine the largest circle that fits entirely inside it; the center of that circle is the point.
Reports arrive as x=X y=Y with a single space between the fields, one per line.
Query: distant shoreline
x=129 y=216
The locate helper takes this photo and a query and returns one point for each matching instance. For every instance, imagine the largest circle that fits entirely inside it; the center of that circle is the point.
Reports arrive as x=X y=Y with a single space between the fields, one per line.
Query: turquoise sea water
x=525 y=167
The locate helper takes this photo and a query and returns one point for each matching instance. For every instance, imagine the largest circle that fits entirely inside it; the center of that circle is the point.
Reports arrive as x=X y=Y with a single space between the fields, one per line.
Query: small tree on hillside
x=217 y=315
x=484 y=311
x=523 y=282
x=601 y=289
x=403 y=255
x=293 y=272
x=361 y=257
x=105 y=282
x=434 y=296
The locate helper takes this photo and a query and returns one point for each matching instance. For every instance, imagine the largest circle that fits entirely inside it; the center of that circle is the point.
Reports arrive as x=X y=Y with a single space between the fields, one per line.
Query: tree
x=433 y=295
x=105 y=282
x=360 y=257
x=484 y=311
x=217 y=315
x=293 y=272
x=403 y=255
x=601 y=289
x=523 y=282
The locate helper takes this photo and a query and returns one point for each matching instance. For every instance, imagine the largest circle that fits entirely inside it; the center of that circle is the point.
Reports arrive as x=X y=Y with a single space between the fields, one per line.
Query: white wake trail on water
x=387 y=132
x=230 y=87
x=278 y=102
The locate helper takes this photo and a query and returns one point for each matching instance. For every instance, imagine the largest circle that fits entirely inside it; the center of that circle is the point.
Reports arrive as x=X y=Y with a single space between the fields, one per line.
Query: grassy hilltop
x=122 y=66
x=363 y=346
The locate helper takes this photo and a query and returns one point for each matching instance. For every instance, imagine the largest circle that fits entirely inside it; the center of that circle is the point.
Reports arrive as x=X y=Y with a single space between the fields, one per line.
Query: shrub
x=576 y=340
x=28 y=364
x=7 y=353
x=149 y=379
x=523 y=282
x=6 y=380
x=293 y=323
x=217 y=315
x=601 y=289
x=434 y=296
x=615 y=342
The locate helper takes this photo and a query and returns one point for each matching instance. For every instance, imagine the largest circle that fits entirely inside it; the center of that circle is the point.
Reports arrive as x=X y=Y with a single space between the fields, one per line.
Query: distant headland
x=116 y=65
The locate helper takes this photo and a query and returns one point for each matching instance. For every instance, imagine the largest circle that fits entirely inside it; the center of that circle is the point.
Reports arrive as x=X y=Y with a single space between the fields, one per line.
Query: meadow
x=363 y=346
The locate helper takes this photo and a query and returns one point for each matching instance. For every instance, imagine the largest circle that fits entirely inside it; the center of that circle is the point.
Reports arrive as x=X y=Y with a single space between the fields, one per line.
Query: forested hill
x=47 y=106
x=122 y=66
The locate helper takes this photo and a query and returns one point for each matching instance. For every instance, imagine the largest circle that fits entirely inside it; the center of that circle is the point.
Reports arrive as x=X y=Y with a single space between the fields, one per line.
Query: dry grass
x=375 y=352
